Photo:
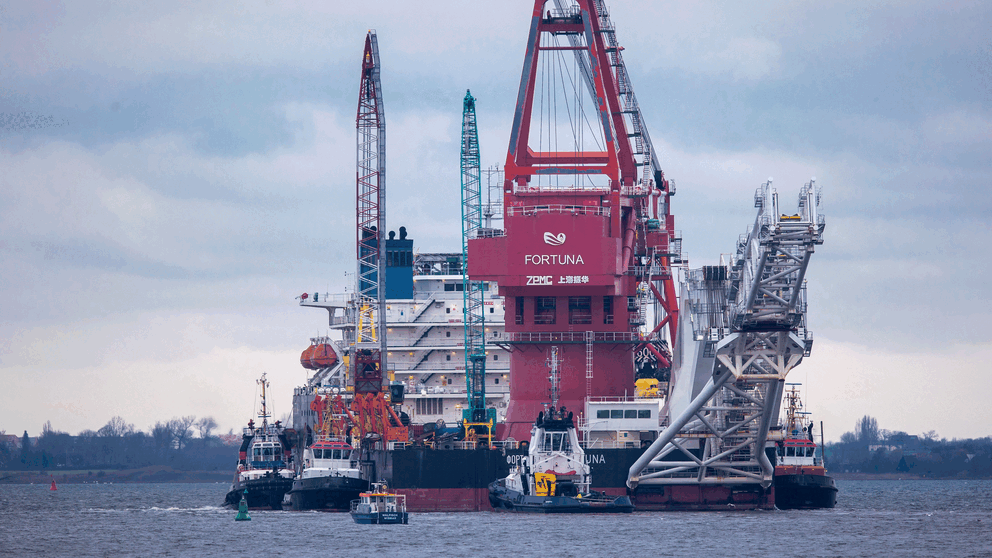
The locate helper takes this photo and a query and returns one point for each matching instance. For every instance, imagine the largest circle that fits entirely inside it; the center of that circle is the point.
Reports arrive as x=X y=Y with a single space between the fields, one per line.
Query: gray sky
x=174 y=174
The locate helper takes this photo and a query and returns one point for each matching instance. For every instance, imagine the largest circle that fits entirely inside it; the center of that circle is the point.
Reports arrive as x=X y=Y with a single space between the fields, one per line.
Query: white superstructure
x=426 y=345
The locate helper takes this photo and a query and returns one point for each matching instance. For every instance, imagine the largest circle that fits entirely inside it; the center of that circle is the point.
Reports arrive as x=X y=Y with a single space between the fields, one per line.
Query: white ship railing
x=559 y=208
x=327 y=299
x=570 y=337
x=609 y=444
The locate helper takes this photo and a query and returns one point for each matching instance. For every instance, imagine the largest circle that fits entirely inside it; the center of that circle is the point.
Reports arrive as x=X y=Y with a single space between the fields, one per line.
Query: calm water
x=872 y=518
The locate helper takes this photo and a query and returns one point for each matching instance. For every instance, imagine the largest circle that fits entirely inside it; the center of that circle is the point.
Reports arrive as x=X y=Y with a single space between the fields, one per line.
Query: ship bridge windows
x=266 y=451
x=329 y=454
x=623 y=413
x=544 y=310
x=579 y=310
x=791 y=451
x=556 y=441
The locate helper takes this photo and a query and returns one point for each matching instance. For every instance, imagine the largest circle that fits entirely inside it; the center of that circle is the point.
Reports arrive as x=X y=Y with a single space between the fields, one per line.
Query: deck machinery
x=746 y=329
x=590 y=242
x=589 y=237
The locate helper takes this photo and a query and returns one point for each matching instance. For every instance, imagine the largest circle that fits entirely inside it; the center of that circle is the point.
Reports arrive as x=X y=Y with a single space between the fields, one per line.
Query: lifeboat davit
x=322 y=356
x=305 y=357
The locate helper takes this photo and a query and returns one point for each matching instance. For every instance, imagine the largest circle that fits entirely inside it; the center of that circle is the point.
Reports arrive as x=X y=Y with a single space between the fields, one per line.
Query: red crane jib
x=566 y=265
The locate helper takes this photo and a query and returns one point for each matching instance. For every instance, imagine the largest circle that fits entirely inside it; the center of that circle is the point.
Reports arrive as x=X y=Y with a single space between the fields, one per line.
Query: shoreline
x=164 y=474
x=894 y=476
x=154 y=474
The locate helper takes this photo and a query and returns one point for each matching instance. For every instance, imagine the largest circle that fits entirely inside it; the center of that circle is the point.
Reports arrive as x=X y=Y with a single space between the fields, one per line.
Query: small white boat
x=378 y=506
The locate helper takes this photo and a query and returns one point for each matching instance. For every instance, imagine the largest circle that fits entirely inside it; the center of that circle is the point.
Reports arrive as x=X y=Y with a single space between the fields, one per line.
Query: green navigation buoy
x=243 y=509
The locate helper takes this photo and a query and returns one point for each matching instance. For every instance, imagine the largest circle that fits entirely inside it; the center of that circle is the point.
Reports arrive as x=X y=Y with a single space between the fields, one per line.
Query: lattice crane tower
x=371 y=212
x=476 y=416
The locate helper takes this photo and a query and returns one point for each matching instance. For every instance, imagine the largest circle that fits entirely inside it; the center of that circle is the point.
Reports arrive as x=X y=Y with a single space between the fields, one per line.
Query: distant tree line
x=869 y=449
x=184 y=443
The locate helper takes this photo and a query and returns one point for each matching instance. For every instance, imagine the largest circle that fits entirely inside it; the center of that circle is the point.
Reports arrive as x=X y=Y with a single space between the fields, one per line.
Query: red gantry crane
x=589 y=237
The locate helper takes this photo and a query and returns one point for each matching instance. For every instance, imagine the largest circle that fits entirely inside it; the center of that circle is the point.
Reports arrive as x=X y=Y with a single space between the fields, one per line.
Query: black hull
x=420 y=468
x=504 y=499
x=804 y=492
x=326 y=493
x=458 y=480
x=266 y=492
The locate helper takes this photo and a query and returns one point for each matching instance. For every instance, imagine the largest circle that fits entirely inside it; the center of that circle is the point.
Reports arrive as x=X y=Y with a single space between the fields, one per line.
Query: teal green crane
x=478 y=420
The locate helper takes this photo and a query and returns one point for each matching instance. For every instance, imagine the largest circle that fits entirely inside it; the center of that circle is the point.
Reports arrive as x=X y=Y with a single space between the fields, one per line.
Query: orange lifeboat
x=322 y=356
x=305 y=357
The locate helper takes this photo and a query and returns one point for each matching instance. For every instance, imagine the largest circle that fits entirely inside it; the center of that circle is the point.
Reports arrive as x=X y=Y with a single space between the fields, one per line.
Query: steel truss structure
x=371 y=208
x=746 y=329
x=629 y=159
x=473 y=291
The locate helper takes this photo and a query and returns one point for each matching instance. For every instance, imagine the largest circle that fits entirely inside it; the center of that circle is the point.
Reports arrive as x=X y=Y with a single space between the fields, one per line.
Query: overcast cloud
x=174 y=174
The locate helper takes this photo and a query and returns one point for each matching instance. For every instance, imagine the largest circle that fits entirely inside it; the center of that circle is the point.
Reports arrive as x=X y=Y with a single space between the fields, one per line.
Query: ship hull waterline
x=458 y=480
x=265 y=492
x=332 y=493
x=805 y=492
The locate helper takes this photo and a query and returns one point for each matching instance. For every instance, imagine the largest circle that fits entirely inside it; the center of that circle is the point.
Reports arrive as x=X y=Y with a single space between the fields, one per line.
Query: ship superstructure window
x=432 y=406
x=399 y=258
x=580 y=310
x=556 y=441
x=454 y=287
x=623 y=413
x=329 y=454
x=519 y=310
x=607 y=309
x=544 y=310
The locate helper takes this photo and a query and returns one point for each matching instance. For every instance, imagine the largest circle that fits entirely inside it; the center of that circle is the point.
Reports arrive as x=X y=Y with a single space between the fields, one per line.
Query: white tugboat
x=265 y=471
x=379 y=507
x=331 y=477
x=553 y=477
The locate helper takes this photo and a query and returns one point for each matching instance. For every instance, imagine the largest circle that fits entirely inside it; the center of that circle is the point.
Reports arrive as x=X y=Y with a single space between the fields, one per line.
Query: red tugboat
x=801 y=480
